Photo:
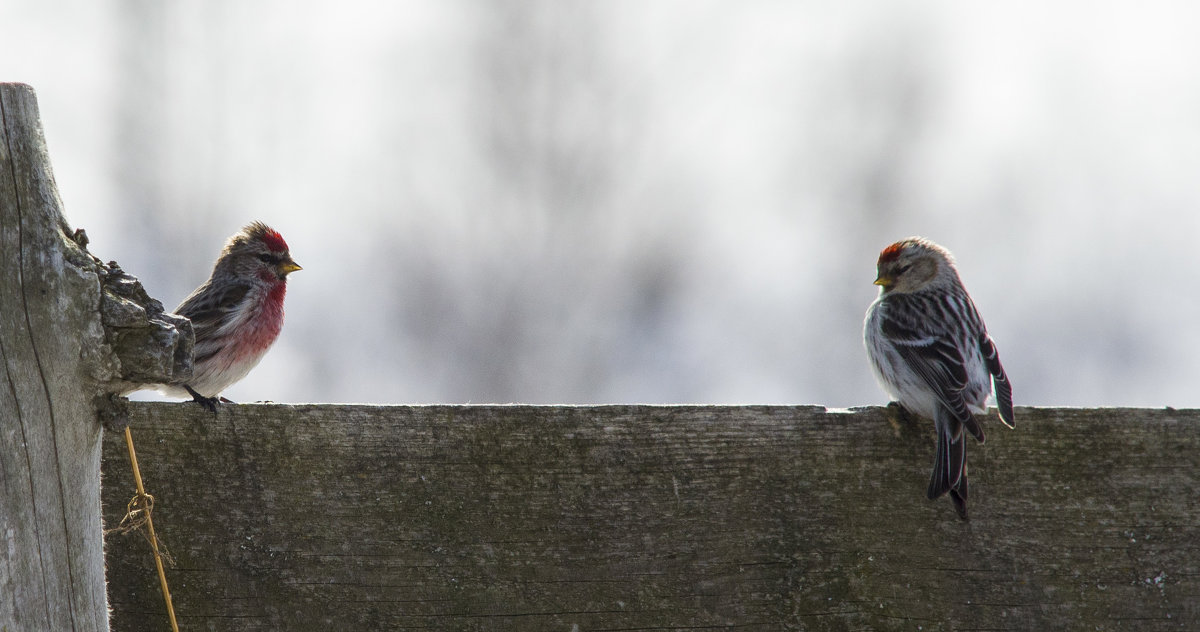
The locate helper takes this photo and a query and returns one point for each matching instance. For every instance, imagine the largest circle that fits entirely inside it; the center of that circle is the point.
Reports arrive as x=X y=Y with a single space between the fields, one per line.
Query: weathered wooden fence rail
x=653 y=518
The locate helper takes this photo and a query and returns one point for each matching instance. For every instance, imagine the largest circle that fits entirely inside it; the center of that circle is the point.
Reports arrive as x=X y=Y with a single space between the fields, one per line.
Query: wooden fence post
x=71 y=330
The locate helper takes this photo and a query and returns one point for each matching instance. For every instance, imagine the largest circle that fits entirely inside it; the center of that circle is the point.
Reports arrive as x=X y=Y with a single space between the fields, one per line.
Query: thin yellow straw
x=162 y=575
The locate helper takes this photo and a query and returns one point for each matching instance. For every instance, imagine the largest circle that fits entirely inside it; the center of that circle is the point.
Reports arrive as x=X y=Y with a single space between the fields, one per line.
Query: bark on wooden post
x=71 y=330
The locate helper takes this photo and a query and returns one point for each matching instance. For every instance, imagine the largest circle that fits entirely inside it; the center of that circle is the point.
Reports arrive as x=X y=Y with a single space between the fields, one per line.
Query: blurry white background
x=642 y=201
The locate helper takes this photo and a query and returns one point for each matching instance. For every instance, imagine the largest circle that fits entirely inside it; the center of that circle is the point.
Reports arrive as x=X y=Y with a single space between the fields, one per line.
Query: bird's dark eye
x=268 y=258
x=904 y=268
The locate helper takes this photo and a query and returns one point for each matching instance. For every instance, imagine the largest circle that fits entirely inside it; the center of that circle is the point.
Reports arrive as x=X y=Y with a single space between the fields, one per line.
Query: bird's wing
x=937 y=360
x=209 y=309
x=1000 y=381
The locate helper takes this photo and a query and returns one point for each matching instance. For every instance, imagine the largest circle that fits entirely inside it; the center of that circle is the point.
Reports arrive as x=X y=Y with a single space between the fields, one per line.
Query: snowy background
x=642 y=200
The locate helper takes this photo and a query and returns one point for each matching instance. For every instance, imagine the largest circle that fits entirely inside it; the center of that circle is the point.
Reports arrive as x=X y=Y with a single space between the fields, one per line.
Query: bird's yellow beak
x=288 y=267
x=885 y=281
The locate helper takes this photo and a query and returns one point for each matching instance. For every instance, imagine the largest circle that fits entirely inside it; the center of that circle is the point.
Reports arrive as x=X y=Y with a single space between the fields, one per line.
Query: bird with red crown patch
x=932 y=354
x=237 y=313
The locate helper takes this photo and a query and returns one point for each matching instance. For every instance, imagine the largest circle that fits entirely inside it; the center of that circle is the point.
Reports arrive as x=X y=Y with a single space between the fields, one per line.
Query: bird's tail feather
x=951 y=457
x=959 y=496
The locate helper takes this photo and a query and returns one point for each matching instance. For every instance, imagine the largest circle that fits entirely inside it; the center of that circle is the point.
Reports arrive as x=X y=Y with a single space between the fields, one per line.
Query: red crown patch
x=274 y=241
x=892 y=252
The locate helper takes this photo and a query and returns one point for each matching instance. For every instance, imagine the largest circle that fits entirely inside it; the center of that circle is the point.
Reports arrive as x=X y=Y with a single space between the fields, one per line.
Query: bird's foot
x=209 y=403
x=899 y=417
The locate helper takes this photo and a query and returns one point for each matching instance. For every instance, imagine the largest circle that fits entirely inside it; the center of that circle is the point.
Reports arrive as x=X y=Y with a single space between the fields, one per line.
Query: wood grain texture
x=51 y=547
x=654 y=518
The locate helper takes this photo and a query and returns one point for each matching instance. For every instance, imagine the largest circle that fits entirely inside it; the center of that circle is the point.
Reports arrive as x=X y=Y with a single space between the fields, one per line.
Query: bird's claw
x=898 y=417
x=209 y=403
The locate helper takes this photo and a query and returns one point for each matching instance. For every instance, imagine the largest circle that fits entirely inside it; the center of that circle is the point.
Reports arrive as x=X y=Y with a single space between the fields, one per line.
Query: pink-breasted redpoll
x=237 y=313
x=931 y=352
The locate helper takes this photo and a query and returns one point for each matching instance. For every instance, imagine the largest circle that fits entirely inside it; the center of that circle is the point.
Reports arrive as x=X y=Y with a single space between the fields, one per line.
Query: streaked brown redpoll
x=237 y=313
x=932 y=354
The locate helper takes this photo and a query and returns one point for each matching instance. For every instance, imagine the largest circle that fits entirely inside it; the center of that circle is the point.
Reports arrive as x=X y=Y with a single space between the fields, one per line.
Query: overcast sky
x=650 y=201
